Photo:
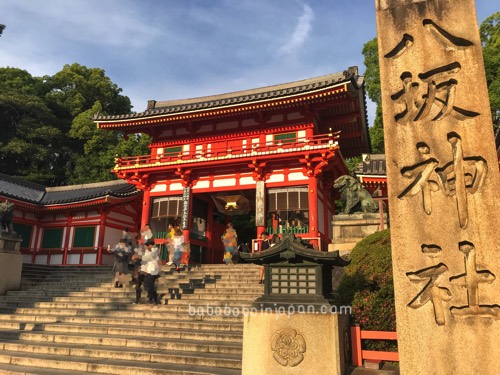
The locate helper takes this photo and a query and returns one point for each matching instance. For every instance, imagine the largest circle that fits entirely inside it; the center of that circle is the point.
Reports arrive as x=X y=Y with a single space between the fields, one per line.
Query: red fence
x=358 y=354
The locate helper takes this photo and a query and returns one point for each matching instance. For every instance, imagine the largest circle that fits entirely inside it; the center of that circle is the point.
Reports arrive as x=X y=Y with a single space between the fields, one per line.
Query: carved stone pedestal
x=348 y=230
x=299 y=343
x=11 y=262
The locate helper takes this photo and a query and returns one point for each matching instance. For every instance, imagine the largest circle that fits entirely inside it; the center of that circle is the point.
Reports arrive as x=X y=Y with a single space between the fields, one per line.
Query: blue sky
x=174 y=49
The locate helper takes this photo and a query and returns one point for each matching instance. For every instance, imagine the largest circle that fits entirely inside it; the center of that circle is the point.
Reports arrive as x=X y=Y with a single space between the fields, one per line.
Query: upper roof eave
x=183 y=106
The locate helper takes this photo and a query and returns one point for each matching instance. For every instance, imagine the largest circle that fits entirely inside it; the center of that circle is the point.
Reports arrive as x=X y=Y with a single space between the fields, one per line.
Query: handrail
x=358 y=354
x=319 y=141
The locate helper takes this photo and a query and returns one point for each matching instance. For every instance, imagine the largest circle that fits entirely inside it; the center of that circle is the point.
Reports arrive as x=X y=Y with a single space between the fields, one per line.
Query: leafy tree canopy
x=372 y=79
x=46 y=130
x=490 y=38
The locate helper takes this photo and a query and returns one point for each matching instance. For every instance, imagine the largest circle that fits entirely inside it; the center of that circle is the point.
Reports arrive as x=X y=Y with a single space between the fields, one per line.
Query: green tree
x=352 y=163
x=372 y=79
x=96 y=161
x=47 y=133
x=76 y=89
x=490 y=38
x=29 y=132
x=73 y=91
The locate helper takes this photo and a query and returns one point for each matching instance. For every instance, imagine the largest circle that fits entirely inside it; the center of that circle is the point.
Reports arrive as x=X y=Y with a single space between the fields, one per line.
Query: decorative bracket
x=258 y=170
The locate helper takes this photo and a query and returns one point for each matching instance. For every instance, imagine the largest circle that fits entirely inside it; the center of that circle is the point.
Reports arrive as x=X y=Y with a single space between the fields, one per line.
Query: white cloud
x=301 y=32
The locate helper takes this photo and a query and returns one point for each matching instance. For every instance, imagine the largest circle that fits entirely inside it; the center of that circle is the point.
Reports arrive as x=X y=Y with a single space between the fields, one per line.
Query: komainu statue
x=6 y=214
x=354 y=196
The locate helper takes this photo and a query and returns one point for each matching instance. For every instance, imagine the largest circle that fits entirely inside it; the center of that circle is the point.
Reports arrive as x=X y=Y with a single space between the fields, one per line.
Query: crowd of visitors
x=141 y=257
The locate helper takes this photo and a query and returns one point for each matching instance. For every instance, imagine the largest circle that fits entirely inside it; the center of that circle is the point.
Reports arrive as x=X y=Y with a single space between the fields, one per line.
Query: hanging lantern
x=232 y=204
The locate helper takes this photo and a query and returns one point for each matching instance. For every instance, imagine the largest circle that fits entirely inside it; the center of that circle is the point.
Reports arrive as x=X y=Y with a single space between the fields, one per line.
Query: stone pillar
x=260 y=207
x=11 y=262
x=443 y=186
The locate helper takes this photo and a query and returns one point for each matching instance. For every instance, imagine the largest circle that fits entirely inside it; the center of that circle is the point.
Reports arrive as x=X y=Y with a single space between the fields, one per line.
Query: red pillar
x=357 y=355
x=100 y=241
x=313 y=207
x=210 y=234
x=66 y=239
x=146 y=203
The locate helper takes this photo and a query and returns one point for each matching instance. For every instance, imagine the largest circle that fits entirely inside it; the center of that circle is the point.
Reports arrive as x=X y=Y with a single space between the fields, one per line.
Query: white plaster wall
x=225 y=182
x=297 y=176
x=159 y=187
x=89 y=258
x=112 y=236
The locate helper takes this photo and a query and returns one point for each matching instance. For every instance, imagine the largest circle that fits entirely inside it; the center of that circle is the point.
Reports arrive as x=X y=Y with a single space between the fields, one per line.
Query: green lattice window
x=52 y=238
x=25 y=231
x=285 y=138
x=84 y=237
x=172 y=151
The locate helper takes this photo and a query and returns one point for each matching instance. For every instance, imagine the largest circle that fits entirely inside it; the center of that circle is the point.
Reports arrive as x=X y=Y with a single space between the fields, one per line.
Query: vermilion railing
x=232 y=149
x=358 y=354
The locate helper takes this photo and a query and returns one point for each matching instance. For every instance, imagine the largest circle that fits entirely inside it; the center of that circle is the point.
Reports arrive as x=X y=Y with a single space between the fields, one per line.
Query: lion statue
x=6 y=214
x=354 y=196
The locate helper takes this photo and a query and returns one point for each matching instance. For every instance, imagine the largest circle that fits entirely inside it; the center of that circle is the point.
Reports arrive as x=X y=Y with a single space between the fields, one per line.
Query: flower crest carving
x=288 y=346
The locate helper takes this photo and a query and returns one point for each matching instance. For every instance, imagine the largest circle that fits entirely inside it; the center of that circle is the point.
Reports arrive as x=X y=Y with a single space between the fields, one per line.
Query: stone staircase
x=71 y=320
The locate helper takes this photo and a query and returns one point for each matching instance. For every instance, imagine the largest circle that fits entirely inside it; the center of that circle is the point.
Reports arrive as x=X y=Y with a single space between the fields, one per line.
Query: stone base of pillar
x=11 y=262
x=298 y=343
x=348 y=230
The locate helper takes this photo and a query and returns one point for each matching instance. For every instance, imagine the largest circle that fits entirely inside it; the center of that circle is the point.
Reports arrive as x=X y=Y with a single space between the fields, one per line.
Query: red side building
x=71 y=225
x=273 y=152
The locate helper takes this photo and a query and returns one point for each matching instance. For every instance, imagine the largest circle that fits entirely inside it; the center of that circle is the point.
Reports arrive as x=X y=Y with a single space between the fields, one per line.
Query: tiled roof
x=13 y=187
x=373 y=164
x=243 y=97
x=16 y=188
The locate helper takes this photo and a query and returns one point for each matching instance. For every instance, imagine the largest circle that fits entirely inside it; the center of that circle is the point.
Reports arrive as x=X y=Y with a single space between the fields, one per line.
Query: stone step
x=195 y=312
x=128 y=293
x=83 y=339
x=68 y=285
x=149 y=315
x=83 y=307
x=7 y=369
x=118 y=331
x=108 y=366
x=129 y=297
x=31 y=324
x=73 y=320
x=130 y=354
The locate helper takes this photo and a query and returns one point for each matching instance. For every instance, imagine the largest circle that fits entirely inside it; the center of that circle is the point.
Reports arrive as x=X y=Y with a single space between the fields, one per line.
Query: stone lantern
x=295 y=275
x=294 y=328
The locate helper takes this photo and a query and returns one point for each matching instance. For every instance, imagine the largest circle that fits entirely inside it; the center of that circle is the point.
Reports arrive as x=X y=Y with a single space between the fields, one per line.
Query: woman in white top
x=150 y=266
x=178 y=242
